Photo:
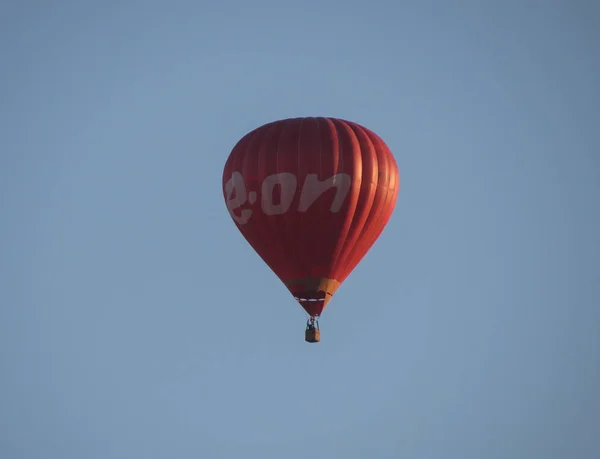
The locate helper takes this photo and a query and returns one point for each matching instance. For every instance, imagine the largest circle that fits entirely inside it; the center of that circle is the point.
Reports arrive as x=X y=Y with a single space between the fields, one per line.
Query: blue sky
x=136 y=322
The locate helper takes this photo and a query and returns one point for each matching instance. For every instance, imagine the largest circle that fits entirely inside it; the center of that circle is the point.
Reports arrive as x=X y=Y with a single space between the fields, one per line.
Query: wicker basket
x=312 y=335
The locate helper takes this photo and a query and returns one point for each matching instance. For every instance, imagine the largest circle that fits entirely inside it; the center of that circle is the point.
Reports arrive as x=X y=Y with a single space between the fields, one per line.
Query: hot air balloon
x=311 y=196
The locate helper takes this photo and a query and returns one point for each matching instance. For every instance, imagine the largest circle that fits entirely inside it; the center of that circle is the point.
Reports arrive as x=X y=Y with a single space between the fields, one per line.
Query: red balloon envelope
x=311 y=196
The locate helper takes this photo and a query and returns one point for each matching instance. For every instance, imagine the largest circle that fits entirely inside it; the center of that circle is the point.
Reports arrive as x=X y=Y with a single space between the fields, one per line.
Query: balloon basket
x=312 y=336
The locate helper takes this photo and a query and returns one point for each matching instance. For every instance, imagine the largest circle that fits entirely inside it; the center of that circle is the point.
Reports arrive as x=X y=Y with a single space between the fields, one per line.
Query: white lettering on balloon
x=312 y=189
x=236 y=195
x=288 y=183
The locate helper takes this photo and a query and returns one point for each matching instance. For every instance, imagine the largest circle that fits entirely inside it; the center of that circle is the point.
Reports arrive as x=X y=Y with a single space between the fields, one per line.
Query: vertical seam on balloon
x=265 y=224
x=336 y=146
x=341 y=169
x=391 y=192
x=347 y=222
x=341 y=163
x=237 y=165
x=319 y=144
x=320 y=148
x=254 y=226
x=390 y=196
x=299 y=188
x=376 y=211
x=385 y=200
x=282 y=234
x=333 y=143
x=357 y=234
x=396 y=188
x=298 y=170
x=259 y=136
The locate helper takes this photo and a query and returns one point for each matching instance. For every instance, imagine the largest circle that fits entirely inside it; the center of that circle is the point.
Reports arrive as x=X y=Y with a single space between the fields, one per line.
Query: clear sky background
x=136 y=322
